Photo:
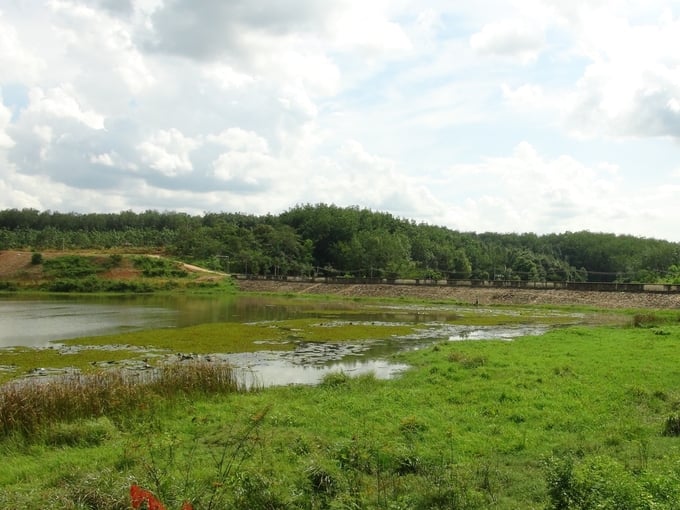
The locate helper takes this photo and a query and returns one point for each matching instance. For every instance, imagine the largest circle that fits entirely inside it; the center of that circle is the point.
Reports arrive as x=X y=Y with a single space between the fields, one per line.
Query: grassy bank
x=104 y=271
x=582 y=417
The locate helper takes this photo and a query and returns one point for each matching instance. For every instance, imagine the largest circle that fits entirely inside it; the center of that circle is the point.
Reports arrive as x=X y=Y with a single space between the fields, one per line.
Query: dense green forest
x=325 y=239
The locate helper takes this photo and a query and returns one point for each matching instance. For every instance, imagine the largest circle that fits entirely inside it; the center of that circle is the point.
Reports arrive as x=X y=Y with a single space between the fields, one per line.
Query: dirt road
x=477 y=295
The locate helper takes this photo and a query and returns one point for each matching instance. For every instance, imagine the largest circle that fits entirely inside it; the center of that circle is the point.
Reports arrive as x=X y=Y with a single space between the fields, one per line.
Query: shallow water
x=37 y=323
x=41 y=322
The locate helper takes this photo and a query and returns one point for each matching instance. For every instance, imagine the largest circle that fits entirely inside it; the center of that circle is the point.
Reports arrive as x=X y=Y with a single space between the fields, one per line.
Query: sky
x=487 y=116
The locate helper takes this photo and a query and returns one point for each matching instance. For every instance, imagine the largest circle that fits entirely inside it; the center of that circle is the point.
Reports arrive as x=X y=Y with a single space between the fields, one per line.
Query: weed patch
x=672 y=426
x=156 y=267
x=29 y=407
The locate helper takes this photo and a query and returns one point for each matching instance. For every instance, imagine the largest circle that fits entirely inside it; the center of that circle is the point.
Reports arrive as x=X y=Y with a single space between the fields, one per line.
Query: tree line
x=323 y=239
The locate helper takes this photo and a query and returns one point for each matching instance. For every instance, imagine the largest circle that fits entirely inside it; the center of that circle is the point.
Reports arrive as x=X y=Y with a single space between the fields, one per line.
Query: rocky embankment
x=481 y=296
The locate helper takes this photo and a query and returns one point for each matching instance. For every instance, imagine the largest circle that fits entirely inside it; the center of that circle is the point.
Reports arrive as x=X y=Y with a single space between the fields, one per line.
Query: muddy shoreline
x=482 y=296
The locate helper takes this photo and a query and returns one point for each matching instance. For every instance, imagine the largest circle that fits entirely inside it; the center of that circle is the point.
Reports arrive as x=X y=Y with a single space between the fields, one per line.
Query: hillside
x=325 y=240
x=98 y=271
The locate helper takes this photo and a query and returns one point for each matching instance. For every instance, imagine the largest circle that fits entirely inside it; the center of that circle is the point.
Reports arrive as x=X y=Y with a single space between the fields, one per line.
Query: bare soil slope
x=17 y=265
x=11 y=262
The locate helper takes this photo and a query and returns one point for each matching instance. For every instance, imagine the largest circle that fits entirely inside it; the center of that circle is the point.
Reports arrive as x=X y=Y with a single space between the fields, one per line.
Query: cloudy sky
x=505 y=116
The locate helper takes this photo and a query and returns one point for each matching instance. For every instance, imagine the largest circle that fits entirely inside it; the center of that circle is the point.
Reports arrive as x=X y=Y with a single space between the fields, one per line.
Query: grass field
x=581 y=417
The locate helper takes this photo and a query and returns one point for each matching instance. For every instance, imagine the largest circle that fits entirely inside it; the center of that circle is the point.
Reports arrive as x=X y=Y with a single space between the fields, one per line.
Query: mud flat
x=482 y=296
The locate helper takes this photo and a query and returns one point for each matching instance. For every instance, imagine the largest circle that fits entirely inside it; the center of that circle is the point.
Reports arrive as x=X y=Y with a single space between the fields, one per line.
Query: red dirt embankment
x=12 y=262
x=483 y=296
x=17 y=264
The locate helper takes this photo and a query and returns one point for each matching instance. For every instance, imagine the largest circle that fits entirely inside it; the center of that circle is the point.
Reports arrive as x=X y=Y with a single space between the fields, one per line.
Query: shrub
x=672 y=426
x=601 y=482
x=88 y=284
x=70 y=266
x=645 y=320
x=115 y=260
x=321 y=481
x=36 y=259
x=4 y=285
x=334 y=379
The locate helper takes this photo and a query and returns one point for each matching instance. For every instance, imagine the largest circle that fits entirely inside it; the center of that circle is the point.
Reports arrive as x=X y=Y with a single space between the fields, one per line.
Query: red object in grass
x=139 y=496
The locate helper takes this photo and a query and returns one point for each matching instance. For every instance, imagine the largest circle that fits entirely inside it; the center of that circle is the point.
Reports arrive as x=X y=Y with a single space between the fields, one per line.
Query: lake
x=41 y=322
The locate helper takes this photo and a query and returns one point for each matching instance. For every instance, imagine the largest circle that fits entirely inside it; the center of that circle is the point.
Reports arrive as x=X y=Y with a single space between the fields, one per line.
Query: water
x=37 y=323
x=41 y=322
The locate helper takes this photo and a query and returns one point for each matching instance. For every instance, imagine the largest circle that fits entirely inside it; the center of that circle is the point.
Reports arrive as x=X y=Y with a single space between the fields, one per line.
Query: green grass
x=237 y=337
x=576 y=418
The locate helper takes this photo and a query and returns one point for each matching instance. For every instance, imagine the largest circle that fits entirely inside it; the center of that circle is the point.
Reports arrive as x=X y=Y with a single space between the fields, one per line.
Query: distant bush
x=89 y=284
x=36 y=259
x=8 y=286
x=96 y=284
x=70 y=266
x=115 y=260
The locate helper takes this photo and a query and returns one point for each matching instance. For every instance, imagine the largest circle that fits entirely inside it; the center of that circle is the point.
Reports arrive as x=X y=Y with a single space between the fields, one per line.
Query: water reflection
x=267 y=368
x=37 y=322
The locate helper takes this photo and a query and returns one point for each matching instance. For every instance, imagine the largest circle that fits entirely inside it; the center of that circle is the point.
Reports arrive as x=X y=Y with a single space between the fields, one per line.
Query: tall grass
x=28 y=406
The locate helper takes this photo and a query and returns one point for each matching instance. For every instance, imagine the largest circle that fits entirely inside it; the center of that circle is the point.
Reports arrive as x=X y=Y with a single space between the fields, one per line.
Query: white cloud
x=237 y=139
x=514 y=38
x=631 y=86
x=249 y=168
x=526 y=192
x=17 y=62
x=226 y=76
x=295 y=100
x=102 y=159
x=247 y=162
x=526 y=97
x=102 y=42
x=5 y=115
x=168 y=152
x=364 y=25
x=257 y=106
x=355 y=176
x=62 y=102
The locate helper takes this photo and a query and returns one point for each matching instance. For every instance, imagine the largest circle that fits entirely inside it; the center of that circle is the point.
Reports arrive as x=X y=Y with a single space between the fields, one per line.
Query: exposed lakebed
x=287 y=340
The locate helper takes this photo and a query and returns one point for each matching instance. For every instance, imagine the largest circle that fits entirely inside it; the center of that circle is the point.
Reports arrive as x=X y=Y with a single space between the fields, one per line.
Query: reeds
x=28 y=406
